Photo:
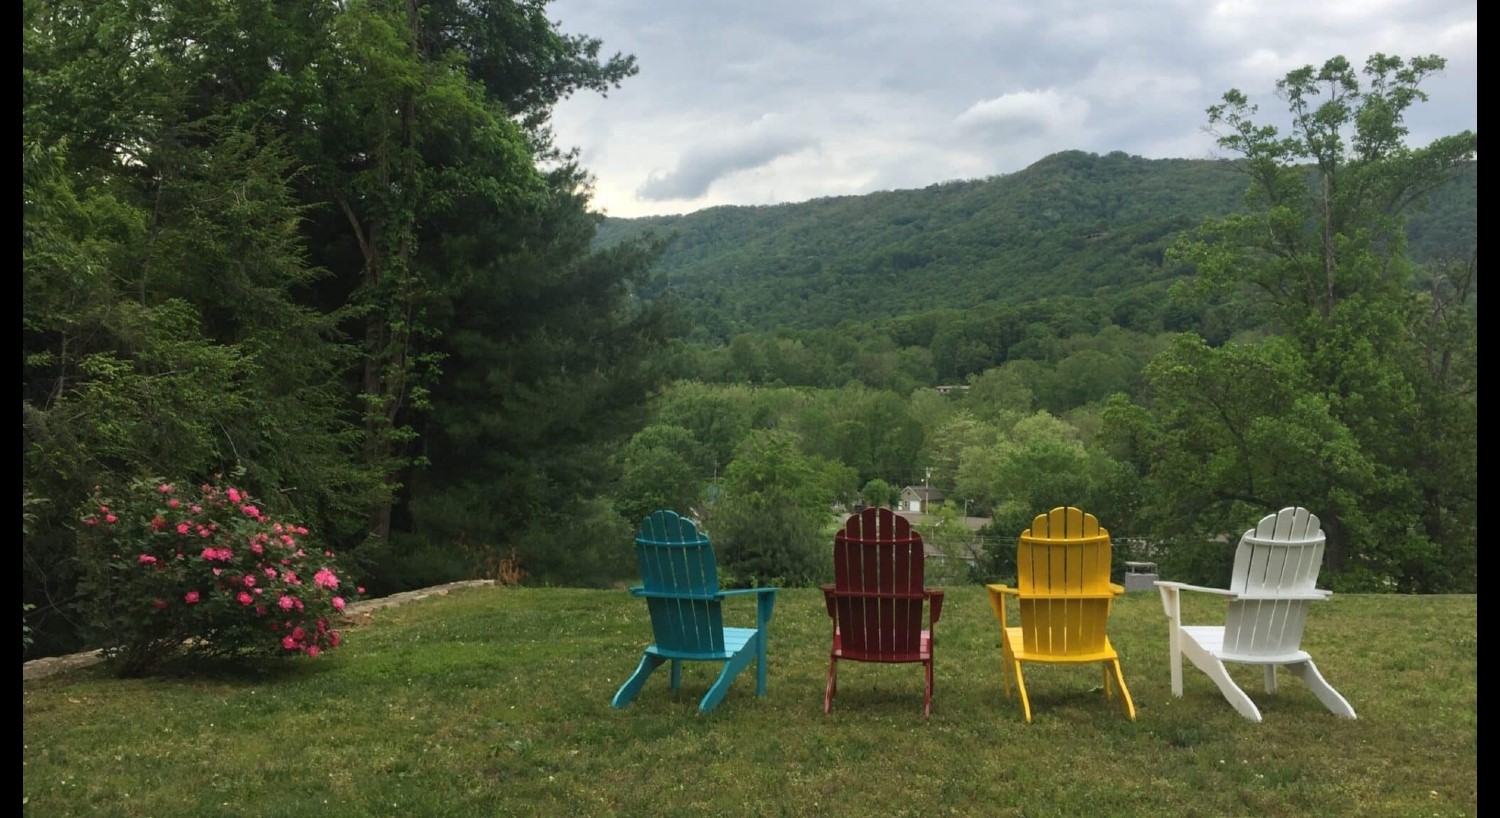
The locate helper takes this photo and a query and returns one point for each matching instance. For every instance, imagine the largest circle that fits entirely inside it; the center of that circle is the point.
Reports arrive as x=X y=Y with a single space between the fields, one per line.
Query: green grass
x=495 y=702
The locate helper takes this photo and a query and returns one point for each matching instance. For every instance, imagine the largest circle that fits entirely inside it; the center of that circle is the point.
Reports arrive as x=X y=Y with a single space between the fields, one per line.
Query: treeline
x=332 y=250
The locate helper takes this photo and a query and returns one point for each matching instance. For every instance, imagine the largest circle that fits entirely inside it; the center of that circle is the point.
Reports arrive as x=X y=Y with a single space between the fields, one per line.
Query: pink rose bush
x=206 y=571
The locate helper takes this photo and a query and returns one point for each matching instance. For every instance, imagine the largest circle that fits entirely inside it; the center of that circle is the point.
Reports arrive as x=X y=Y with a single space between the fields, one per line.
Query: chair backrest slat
x=680 y=575
x=1062 y=574
x=1281 y=555
x=878 y=575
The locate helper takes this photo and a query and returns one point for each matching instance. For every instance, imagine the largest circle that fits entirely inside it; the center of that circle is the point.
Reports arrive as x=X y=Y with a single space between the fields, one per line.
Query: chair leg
x=1124 y=691
x=632 y=686
x=1237 y=697
x=832 y=685
x=1005 y=660
x=732 y=668
x=1270 y=678
x=1308 y=673
x=1021 y=686
x=676 y=673
x=927 y=700
x=761 y=670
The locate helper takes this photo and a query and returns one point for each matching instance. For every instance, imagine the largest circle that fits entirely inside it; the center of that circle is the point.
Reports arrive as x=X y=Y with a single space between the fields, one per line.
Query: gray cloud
x=863 y=95
x=702 y=165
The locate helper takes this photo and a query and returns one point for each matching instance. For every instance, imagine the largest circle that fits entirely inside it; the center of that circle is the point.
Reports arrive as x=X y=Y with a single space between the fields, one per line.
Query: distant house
x=920 y=499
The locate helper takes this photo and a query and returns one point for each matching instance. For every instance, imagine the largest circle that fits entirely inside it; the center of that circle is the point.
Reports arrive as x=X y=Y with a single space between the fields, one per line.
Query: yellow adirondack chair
x=1064 y=596
x=1274 y=583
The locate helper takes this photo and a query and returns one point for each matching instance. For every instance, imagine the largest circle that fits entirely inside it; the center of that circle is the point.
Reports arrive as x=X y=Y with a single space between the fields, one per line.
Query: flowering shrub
x=204 y=570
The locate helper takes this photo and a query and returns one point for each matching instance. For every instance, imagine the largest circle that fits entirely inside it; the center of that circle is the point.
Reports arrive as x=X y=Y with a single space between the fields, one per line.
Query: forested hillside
x=1074 y=224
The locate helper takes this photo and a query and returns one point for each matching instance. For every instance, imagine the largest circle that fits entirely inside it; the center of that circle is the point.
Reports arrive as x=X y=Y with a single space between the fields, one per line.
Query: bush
x=203 y=571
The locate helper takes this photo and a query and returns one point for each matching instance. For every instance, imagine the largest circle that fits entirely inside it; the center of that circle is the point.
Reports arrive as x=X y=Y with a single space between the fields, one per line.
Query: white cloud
x=1025 y=114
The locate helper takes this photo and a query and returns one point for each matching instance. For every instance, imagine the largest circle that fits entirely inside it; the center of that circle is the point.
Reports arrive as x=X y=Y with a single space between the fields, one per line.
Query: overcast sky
x=768 y=101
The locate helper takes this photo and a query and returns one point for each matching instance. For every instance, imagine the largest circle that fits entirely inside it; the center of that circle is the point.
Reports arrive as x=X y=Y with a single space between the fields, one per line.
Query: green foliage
x=769 y=527
x=1362 y=406
x=169 y=569
x=664 y=467
x=1352 y=409
x=329 y=244
x=587 y=544
x=877 y=492
x=27 y=515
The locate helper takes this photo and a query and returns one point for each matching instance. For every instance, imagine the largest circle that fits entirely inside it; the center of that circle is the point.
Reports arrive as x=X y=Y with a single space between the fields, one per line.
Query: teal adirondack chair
x=680 y=582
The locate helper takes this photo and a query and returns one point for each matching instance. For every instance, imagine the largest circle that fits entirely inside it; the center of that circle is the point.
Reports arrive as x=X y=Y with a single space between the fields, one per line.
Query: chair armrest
x=935 y=595
x=997 y=595
x=828 y=597
x=743 y=591
x=765 y=602
x=1314 y=595
x=1182 y=586
x=642 y=592
x=1117 y=590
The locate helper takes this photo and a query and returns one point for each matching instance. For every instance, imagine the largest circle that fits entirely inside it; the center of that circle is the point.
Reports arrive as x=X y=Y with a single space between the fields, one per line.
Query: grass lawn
x=495 y=702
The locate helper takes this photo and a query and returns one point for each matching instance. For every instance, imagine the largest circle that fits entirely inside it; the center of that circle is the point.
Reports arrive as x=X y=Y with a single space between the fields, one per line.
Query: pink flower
x=289 y=577
x=234 y=495
x=245 y=598
x=326 y=579
x=250 y=511
x=158 y=523
x=286 y=642
x=249 y=581
x=299 y=634
x=104 y=509
x=183 y=529
x=160 y=603
x=360 y=590
x=110 y=518
x=313 y=652
x=270 y=572
x=146 y=559
x=91 y=521
x=174 y=503
x=301 y=530
x=338 y=603
x=164 y=488
x=333 y=639
x=286 y=602
x=197 y=509
x=191 y=597
x=260 y=610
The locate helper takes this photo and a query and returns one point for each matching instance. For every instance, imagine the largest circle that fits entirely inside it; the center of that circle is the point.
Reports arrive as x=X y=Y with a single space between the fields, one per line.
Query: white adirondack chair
x=1275 y=576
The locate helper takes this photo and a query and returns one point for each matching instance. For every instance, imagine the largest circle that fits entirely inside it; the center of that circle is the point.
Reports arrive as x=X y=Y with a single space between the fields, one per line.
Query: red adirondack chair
x=877 y=597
